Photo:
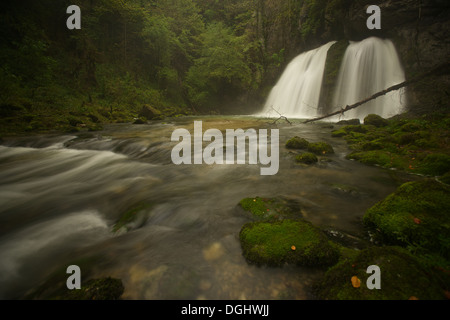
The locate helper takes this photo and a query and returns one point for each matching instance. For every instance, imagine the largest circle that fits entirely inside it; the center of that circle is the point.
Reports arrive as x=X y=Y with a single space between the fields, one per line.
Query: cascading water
x=297 y=93
x=368 y=67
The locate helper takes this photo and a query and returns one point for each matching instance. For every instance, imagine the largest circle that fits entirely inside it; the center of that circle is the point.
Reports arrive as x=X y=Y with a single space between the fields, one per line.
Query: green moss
x=320 y=148
x=306 y=158
x=415 y=215
x=435 y=164
x=375 y=120
x=271 y=208
x=348 y=129
x=257 y=206
x=402 y=277
x=445 y=178
x=379 y=157
x=271 y=243
x=96 y=289
x=339 y=133
x=297 y=143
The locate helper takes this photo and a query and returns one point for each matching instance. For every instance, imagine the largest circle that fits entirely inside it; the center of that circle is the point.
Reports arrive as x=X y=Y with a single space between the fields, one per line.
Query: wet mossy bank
x=419 y=145
x=410 y=248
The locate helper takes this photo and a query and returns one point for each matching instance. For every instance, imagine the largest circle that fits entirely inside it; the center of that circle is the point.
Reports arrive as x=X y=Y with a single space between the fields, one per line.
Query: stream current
x=60 y=196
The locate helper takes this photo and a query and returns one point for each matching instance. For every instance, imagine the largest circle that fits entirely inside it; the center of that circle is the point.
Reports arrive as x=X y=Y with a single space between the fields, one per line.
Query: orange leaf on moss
x=356 y=283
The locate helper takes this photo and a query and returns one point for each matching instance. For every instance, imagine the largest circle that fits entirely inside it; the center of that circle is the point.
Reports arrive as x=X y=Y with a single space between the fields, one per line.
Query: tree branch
x=439 y=70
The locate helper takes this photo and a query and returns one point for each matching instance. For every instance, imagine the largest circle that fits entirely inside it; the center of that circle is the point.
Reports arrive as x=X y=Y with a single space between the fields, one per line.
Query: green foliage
x=314 y=11
x=221 y=68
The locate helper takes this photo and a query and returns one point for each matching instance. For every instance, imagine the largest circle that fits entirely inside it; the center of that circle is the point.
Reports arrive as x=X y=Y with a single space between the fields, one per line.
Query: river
x=60 y=196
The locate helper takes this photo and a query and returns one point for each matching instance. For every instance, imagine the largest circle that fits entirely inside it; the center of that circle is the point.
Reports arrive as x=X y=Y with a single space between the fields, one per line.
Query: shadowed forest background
x=183 y=56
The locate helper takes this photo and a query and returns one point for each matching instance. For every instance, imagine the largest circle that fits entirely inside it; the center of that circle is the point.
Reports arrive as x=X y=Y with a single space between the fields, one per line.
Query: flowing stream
x=60 y=196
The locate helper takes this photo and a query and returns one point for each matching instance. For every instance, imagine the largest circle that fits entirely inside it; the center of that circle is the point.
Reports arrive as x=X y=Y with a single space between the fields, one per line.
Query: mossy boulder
x=435 y=164
x=354 y=122
x=297 y=143
x=402 y=277
x=445 y=178
x=150 y=113
x=375 y=120
x=416 y=214
x=320 y=148
x=306 y=158
x=96 y=289
x=293 y=241
x=271 y=208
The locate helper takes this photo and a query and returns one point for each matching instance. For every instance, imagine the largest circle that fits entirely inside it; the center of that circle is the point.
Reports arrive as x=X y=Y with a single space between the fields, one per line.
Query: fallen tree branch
x=281 y=116
x=440 y=70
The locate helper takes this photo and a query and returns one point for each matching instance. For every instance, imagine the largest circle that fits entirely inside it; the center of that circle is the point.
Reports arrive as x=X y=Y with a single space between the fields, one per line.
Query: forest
x=181 y=57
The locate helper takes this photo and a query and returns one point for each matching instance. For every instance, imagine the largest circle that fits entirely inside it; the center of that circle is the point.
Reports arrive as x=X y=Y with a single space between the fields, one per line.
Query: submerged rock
x=272 y=208
x=133 y=218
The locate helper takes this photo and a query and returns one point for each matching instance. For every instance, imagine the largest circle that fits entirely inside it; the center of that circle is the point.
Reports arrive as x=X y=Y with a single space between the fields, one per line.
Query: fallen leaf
x=293 y=248
x=356 y=283
x=413 y=298
x=417 y=221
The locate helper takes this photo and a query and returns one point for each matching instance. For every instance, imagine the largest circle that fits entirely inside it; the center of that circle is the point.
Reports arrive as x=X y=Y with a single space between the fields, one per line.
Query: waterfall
x=297 y=92
x=368 y=67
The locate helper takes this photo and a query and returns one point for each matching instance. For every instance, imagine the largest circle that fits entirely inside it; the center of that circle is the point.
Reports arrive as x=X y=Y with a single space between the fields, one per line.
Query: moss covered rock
x=416 y=214
x=375 y=120
x=306 y=158
x=445 y=178
x=96 y=289
x=297 y=143
x=275 y=243
x=132 y=218
x=150 y=113
x=403 y=277
x=435 y=164
x=271 y=208
x=320 y=148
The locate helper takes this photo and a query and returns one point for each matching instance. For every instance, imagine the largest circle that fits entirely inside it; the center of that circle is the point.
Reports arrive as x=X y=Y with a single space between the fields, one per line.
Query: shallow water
x=61 y=195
